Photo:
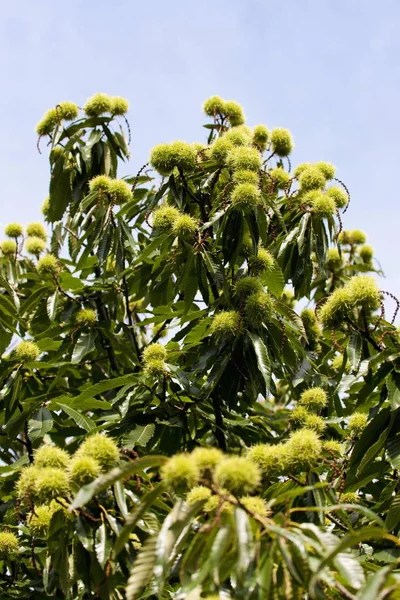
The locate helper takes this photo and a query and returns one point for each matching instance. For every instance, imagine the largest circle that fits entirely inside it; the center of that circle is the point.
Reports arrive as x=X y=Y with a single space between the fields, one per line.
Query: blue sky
x=327 y=70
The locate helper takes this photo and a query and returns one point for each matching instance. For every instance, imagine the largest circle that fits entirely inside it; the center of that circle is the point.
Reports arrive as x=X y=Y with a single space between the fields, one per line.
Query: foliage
x=176 y=423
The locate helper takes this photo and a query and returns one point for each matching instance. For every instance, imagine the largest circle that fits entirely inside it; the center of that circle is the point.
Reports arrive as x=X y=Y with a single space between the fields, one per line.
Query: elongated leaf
x=60 y=191
x=6 y=285
x=232 y=235
x=174 y=529
x=84 y=405
x=265 y=570
x=102 y=545
x=201 y=274
x=214 y=219
x=374 y=449
x=274 y=280
x=142 y=569
x=393 y=450
x=31 y=303
x=47 y=344
x=52 y=305
x=263 y=361
x=288 y=558
x=393 y=386
x=369 y=437
x=354 y=350
x=40 y=424
x=393 y=516
x=302 y=232
x=119 y=494
x=214 y=556
x=104 y=247
x=348 y=541
x=246 y=547
x=140 y=436
x=87 y=492
x=81 y=420
x=83 y=346
x=5 y=339
x=145 y=502
x=103 y=386
x=375 y=584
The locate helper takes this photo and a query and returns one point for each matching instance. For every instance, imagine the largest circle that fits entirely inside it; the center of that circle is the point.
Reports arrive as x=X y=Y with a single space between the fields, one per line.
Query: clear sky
x=329 y=70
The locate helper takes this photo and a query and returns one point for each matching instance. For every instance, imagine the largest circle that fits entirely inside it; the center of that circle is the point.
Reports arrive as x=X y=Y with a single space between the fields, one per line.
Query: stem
x=28 y=443
x=344 y=591
x=101 y=309
x=159 y=332
x=269 y=158
x=129 y=315
x=337 y=523
x=219 y=424
x=164 y=392
x=185 y=185
x=365 y=333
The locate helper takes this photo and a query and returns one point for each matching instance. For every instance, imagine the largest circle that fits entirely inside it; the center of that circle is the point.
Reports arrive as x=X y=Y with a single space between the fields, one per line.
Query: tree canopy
x=200 y=375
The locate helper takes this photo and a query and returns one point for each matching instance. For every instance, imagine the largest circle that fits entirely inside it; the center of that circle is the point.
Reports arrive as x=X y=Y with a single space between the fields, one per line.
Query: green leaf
x=175 y=528
x=83 y=346
x=265 y=568
x=201 y=274
x=40 y=424
x=232 y=236
x=87 y=492
x=393 y=450
x=216 y=217
x=263 y=361
x=142 y=569
x=47 y=344
x=348 y=565
x=120 y=139
x=52 y=305
x=84 y=405
x=106 y=240
x=213 y=556
x=131 y=520
x=31 y=303
x=103 y=386
x=140 y=436
x=274 y=280
x=288 y=558
x=246 y=547
x=375 y=448
x=302 y=232
x=354 y=349
x=60 y=190
x=5 y=339
x=393 y=386
x=368 y=438
x=119 y=494
x=81 y=420
x=11 y=291
x=374 y=585
x=393 y=516
x=70 y=283
x=102 y=545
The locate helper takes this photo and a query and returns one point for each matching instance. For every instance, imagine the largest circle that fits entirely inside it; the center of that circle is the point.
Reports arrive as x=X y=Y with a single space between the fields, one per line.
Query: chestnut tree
x=200 y=375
